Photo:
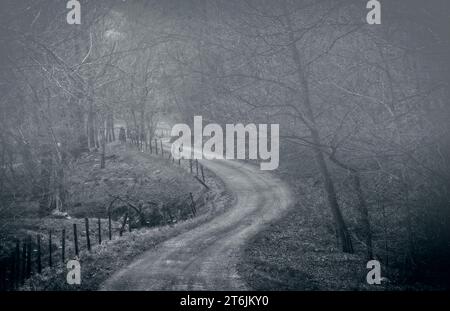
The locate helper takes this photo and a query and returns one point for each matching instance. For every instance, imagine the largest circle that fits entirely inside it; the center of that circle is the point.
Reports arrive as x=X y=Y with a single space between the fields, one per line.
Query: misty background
x=363 y=109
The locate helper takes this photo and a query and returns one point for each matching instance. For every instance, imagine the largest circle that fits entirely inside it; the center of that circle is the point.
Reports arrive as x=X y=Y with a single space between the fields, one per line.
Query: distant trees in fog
x=369 y=103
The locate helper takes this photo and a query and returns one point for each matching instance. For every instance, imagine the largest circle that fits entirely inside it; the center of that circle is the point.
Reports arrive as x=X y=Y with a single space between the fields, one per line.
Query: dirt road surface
x=205 y=257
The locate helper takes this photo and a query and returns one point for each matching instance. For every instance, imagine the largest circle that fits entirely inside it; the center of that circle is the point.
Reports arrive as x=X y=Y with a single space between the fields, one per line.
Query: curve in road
x=205 y=257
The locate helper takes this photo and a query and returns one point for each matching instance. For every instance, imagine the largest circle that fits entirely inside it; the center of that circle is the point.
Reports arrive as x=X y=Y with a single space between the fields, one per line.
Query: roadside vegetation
x=159 y=189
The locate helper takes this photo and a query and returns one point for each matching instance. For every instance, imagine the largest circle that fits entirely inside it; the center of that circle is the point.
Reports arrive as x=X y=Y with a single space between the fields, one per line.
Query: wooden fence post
x=156 y=146
x=63 y=245
x=150 y=145
x=162 y=150
x=88 y=240
x=196 y=166
x=194 y=209
x=190 y=165
x=50 y=249
x=99 y=231
x=203 y=173
x=75 y=239
x=39 y=263
x=109 y=225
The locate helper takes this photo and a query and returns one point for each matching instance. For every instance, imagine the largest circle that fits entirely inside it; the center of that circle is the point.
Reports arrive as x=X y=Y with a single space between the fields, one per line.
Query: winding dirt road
x=205 y=257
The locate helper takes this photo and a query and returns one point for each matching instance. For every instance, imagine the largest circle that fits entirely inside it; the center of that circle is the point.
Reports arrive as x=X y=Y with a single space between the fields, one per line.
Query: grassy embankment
x=157 y=186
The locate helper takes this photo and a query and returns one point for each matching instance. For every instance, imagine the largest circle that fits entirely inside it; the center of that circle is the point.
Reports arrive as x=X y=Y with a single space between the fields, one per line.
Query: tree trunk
x=79 y=133
x=339 y=222
x=96 y=131
x=45 y=182
x=110 y=136
x=142 y=137
x=341 y=227
x=103 y=142
x=362 y=207
x=362 y=204
x=60 y=197
x=77 y=105
x=90 y=126
x=29 y=164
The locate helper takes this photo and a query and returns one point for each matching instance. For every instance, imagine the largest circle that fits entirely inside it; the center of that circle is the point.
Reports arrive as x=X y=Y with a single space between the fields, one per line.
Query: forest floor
x=159 y=186
x=300 y=252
